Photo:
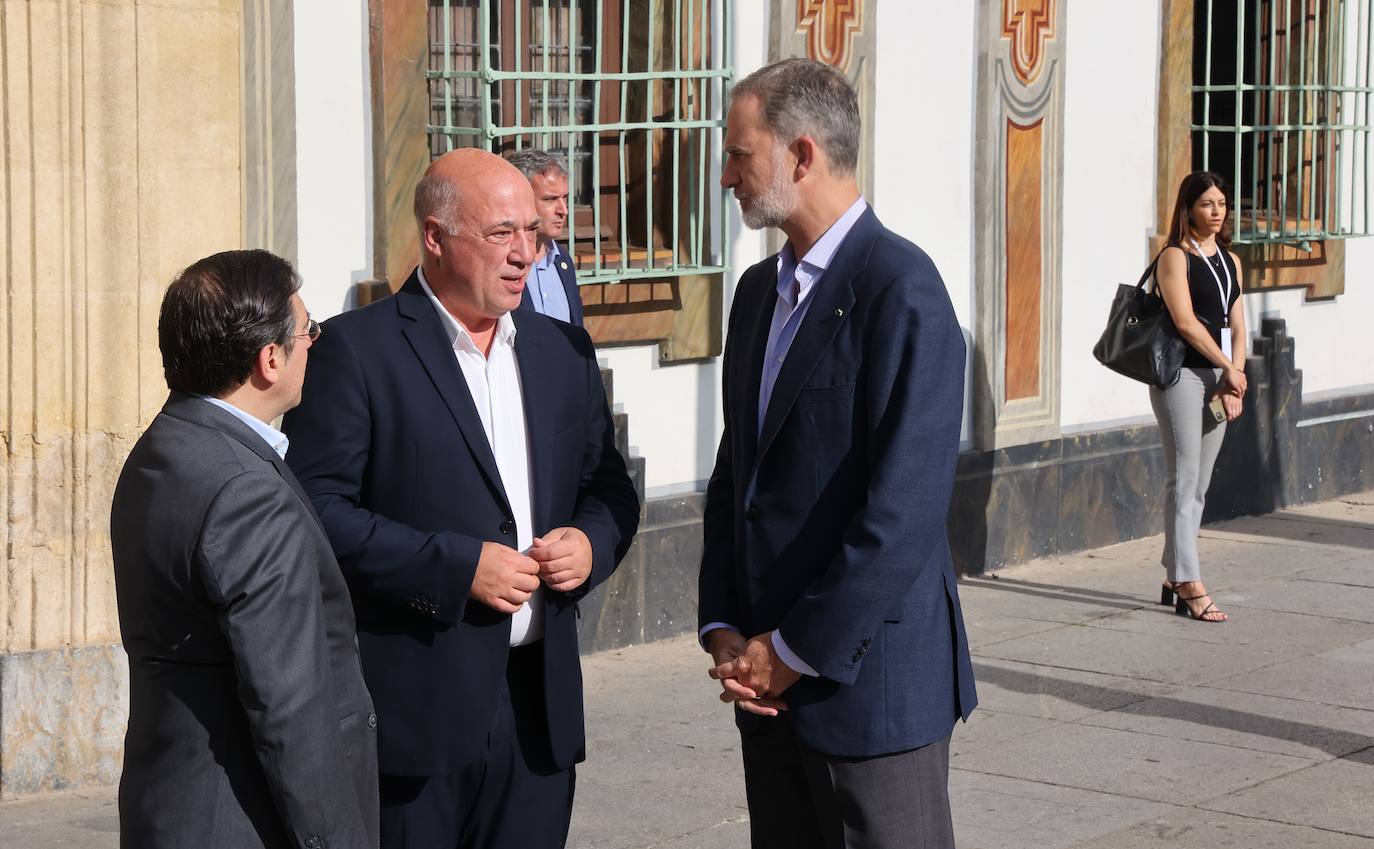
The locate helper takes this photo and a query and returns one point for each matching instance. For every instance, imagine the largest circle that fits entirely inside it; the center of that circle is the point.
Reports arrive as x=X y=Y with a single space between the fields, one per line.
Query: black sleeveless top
x=1202 y=286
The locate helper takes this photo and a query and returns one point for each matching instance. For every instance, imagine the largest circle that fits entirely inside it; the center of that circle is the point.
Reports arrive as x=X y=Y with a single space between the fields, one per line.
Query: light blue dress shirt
x=796 y=282
x=547 y=292
x=274 y=438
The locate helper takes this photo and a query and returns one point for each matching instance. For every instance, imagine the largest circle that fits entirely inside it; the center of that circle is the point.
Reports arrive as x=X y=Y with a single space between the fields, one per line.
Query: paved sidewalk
x=1106 y=721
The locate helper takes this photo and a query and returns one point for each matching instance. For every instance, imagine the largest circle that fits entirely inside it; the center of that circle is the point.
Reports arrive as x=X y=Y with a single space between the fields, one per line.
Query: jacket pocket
x=820 y=394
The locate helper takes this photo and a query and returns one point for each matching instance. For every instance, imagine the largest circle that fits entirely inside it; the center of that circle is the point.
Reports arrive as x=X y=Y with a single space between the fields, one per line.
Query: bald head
x=467 y=171
x=478 y=227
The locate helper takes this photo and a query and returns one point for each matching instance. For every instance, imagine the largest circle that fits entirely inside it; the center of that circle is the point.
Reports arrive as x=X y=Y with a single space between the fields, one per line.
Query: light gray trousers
x=1192 y=438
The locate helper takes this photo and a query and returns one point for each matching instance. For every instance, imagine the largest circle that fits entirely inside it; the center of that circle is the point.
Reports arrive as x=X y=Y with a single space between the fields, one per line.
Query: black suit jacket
x=249 y=724
x=568 y=275
x=828 y=519
x=389 y=445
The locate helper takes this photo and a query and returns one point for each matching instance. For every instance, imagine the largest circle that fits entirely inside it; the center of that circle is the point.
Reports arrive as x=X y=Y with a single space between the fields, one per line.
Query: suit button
x=752 y=513
x=314 y=841
x=507 y=526
x=372 y=720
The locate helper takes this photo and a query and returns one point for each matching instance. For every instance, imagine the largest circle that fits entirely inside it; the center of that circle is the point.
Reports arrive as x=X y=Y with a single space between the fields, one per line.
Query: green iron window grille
x=628 y=91
x=1282 y=108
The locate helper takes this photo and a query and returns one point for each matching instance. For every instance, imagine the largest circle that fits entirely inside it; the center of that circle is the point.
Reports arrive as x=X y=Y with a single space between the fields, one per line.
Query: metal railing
x=1299 y=98
x=553 y=90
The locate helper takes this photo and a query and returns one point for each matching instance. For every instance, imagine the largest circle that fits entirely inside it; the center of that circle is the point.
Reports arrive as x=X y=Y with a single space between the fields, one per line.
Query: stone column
x=122 y=132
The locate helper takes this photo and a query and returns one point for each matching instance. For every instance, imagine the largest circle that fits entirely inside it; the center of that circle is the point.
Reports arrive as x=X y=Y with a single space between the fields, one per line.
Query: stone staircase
x=634 y=464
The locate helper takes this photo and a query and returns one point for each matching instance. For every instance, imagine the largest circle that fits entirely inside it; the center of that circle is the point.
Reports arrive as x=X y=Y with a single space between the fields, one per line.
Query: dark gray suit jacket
x=249 y=723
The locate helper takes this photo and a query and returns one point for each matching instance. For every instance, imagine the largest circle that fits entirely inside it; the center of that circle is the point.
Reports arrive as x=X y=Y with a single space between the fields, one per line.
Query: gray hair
x=801 y=97
x=437 y=196
x=532 y=162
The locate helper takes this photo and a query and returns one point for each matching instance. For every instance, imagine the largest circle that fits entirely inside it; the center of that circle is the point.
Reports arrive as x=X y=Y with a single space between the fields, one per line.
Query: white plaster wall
x=926 y=80
x=333 y=152
x=1111 y=91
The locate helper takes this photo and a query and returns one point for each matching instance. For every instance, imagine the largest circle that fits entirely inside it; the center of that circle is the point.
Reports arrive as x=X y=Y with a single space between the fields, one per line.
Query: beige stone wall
x=121 y=132
x=121 y=128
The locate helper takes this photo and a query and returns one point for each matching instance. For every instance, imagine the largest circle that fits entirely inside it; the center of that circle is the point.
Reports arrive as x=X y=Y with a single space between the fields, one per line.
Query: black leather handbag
x=1141 y=341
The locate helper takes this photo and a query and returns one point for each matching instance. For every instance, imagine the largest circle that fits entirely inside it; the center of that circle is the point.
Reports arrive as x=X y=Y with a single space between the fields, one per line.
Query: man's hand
x=750 y=672
x=505 y=578
x=564 y=556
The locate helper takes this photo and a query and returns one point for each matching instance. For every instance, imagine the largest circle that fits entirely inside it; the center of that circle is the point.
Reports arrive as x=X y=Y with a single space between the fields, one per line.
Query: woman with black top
x=1199 y=279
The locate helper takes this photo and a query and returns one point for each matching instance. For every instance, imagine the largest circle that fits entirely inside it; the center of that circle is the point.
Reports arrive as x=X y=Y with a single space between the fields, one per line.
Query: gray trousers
x=800 y=799
x=1192 y=438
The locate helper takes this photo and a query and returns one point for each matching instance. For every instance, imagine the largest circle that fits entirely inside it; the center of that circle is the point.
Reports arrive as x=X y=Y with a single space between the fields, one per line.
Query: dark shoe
x=1210 y=613
x=1166 y=593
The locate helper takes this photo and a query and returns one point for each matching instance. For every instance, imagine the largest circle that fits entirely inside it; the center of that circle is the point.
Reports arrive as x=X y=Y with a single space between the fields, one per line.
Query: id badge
x=1226 y=342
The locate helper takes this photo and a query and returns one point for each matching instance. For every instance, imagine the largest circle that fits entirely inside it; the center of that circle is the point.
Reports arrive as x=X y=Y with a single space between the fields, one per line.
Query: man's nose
x=522 y=248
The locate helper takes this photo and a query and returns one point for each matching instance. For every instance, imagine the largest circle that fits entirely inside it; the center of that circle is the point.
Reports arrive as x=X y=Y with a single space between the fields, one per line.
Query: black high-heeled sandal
x=1182 y=609
x=1166 y=593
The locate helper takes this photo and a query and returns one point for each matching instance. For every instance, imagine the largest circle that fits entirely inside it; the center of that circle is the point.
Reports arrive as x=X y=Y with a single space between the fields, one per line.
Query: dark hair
x=799 y=97
x=1192 y=188
x=219 y=314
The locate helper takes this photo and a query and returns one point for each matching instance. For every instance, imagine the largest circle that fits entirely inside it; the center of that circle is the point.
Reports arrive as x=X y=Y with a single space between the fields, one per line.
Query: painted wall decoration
x=830 y=26
x=1019 y=167
x=839 y=33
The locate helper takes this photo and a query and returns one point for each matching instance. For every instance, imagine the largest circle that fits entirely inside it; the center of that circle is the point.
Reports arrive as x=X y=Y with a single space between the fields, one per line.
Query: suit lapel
x=568 y=275
x=537 y=387
x=756 y=346
x=830 y=305
x=430 y=343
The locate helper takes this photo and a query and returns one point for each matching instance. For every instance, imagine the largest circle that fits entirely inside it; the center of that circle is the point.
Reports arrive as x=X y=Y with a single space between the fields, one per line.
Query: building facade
x=1031 y=147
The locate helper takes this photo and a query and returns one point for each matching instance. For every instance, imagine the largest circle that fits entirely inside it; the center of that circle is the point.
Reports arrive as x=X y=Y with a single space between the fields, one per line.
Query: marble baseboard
x=62 y=718
x=654 y=592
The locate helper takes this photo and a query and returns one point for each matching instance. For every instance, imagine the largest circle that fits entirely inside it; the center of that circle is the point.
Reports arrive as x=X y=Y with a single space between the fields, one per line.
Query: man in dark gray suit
x=249 y=723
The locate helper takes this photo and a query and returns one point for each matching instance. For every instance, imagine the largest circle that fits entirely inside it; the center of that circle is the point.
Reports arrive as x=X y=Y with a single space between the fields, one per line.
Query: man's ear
x=432 y=234
x=268 y=365
x=808 y=155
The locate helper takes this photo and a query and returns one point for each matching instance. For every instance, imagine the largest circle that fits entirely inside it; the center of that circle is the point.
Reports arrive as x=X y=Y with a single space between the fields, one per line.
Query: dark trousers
x=513 y=798
x=802 y=799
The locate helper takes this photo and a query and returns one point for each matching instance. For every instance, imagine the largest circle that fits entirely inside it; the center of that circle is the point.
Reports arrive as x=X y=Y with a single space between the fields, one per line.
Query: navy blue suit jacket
x=842 y=544
x=568 y=274
x=389 y=446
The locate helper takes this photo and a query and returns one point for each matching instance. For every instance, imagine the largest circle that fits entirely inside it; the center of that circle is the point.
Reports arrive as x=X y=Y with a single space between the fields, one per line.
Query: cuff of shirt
x=708 y=628
x=788 y=657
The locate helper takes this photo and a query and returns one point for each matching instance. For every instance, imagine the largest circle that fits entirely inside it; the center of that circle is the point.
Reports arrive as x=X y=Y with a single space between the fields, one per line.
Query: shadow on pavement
x=1059 y=592
x=1336 y=742
x=1300 y=527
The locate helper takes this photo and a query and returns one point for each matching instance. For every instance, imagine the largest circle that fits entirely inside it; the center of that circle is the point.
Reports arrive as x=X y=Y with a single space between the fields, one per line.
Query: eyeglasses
x=312 y=331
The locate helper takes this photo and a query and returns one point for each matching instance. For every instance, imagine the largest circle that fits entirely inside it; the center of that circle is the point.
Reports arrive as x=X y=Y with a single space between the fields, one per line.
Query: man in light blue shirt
x=551 y=288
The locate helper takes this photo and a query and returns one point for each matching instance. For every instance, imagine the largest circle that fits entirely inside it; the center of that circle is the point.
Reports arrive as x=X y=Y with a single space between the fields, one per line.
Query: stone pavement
x=1106 y=721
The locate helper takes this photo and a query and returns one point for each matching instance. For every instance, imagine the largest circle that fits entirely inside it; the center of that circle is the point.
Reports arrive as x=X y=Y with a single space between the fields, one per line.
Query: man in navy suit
x=552 y=287
x=461 y=457
x=827 y=592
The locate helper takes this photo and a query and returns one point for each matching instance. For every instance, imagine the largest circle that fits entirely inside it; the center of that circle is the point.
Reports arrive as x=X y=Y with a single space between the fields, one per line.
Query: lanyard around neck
x=1224 y=293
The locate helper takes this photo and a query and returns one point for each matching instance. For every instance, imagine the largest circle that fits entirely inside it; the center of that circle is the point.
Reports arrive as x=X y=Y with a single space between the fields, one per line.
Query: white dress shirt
x=797 y=281
x=494 y=382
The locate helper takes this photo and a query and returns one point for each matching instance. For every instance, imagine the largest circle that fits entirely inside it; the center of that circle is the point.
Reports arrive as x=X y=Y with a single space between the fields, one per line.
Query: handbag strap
x=1150 y=269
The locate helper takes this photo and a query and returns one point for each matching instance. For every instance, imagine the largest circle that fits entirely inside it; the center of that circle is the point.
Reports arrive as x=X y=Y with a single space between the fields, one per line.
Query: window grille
x=1283 y=111
x=629 y=91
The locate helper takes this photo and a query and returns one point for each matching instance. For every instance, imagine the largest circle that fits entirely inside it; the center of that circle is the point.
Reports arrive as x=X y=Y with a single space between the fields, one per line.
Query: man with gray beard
x=827 y=592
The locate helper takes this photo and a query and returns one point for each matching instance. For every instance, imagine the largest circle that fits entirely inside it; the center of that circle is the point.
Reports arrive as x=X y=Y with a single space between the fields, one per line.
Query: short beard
x=777 y=204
